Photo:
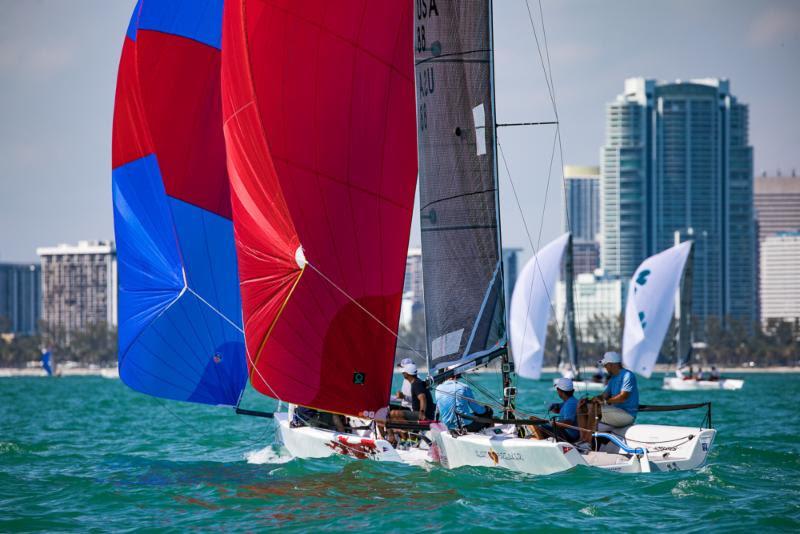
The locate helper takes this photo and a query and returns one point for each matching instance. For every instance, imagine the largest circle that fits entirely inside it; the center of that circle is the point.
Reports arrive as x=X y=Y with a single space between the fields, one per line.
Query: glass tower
x=677 y=158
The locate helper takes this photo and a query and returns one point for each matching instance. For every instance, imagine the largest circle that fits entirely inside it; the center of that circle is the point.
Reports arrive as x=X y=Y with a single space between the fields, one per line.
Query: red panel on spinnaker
x=318 y=102
x=180 y=334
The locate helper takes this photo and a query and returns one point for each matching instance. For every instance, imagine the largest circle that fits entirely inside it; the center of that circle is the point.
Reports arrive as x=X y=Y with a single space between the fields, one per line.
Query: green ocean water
x=85 y=453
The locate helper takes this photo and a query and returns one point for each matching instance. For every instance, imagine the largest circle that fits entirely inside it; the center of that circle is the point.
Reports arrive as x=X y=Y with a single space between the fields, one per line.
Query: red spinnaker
x=320 y=127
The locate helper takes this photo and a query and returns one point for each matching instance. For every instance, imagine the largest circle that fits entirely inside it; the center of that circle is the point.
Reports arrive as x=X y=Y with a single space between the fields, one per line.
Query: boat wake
x=268 y=455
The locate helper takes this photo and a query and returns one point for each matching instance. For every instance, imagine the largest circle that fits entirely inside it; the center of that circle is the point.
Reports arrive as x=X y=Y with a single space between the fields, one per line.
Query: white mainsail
x=534 y=292
x=651 y=302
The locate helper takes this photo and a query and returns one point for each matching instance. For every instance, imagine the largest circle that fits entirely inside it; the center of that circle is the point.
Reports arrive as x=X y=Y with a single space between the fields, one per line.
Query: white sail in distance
x=531 y=305
x=651 y=303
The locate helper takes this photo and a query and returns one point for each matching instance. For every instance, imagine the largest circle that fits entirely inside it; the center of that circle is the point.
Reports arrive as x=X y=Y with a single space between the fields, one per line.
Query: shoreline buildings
x=20 y=298
x=79 y=285
x=676 y=157
x=777 y=204
x=780 y=292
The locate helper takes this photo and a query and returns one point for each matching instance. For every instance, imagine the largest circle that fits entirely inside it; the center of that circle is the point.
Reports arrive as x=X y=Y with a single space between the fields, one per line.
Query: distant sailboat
x=649 y=307
x=47 y=362
x=683 y=379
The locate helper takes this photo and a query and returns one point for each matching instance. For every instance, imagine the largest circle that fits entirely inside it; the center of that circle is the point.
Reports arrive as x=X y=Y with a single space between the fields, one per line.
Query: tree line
x=728 y=341
x=94 y=344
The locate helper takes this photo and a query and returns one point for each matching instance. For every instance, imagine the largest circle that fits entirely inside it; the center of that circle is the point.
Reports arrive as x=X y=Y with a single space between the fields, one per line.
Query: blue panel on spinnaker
x=175 y=341
x=209 y=256
x=148 y=261
x=134 y=23
x=200 y=20
x=188 y=354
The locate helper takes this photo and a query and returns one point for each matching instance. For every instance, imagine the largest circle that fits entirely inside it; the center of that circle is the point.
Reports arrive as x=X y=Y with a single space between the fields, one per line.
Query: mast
x=684 y=345
x=506 y=364
x=569 y=326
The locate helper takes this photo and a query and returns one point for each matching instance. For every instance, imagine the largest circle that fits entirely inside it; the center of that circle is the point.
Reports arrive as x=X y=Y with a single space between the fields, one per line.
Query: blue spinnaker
x=180 y=330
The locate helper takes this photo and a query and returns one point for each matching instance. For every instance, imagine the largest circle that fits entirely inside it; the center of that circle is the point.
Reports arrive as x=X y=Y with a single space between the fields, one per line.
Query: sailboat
x=298 y=122
x=531 y=306
x=684 y=346
x=47 y=362
x=318 y=111
x=462 y=261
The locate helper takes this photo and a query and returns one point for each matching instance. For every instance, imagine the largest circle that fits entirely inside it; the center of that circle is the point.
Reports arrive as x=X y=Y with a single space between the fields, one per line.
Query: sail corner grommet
x=300 y=257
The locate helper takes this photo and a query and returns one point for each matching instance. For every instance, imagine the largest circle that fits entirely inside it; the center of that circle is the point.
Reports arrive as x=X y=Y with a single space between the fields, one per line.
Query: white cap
x=410 y=369
x=565 y=384
x=404 y=362
x=610 y=357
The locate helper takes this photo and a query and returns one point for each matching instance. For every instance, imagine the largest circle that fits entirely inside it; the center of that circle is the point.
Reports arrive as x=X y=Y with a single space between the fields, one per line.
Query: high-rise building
x=780 y=291
x=585 y=256
x=582 y=202
x=79 y=285
x=777 y=203
x=510 y=271
x=677 y=157
x=412 y=302
x=20 y=297
x=582 y=215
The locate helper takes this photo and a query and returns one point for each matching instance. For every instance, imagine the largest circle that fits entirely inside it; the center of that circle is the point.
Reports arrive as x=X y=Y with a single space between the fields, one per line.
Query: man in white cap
x=422 y=407
x=567 y=413
x=404 y=395
x=620 y=400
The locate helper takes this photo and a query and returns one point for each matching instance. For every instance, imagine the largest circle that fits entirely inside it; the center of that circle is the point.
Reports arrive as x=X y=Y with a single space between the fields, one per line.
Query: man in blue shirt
x=620 y=400
x=567 y=413
x=452 y=398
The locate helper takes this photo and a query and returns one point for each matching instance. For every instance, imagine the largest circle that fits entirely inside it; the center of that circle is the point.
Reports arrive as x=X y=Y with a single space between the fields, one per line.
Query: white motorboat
x=674 y=383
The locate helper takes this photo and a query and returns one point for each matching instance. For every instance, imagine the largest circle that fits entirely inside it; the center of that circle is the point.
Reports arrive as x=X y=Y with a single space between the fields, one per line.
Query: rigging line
x=215 y=310
x=548 y=74
x=527 y=231
x=179 y=418
x=365 y=310
x=505 y=124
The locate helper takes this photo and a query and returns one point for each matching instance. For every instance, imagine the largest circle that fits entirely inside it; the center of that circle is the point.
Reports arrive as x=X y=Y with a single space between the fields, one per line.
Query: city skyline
x=59 y=92
x=677 y=158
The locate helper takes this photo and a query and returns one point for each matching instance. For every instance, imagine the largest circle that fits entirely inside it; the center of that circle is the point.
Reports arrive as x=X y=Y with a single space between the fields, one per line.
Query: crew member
x=422 y=407
x=619 y=403
x=567 y=411
x=404 y=395
x=454 y=398
x=714 y=373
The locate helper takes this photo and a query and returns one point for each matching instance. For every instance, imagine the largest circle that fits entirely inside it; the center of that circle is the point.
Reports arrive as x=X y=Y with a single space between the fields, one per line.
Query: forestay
x=650 y=305
x=461 y=258
x=318 y=101
x=180 y=331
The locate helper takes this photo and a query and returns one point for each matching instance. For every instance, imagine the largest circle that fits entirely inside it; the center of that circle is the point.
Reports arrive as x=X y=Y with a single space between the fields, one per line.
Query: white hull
x=674 y=383
x=583 y=386
x=309 y=442
x=668 y=448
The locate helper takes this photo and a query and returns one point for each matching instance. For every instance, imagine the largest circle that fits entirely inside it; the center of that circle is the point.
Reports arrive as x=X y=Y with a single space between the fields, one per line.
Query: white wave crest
x=268 y=455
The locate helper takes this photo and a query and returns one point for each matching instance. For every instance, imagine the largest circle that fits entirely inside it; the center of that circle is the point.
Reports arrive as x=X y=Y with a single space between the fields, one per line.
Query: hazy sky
x=58 y=63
